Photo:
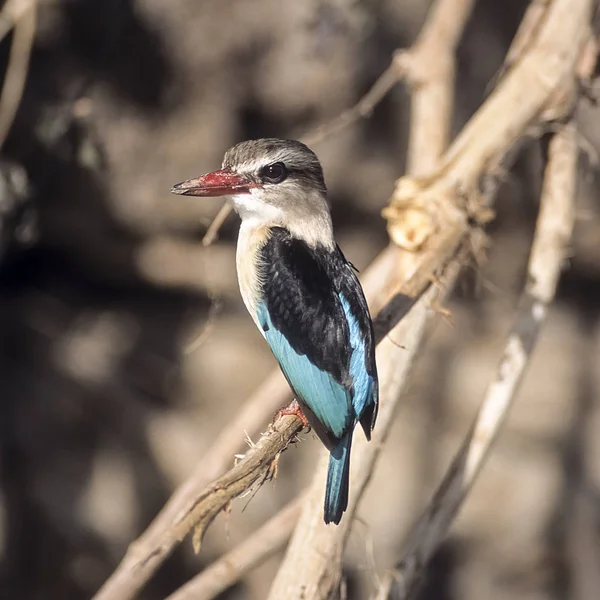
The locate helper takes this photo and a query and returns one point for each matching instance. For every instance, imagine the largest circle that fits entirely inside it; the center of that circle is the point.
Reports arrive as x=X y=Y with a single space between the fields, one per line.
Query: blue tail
x=338 y=476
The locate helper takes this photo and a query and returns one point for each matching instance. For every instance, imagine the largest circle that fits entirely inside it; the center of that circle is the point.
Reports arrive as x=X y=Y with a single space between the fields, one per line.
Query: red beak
x=219 y=183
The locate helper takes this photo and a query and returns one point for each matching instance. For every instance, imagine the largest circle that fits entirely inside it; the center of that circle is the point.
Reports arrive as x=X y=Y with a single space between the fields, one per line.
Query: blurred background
x=105 y=287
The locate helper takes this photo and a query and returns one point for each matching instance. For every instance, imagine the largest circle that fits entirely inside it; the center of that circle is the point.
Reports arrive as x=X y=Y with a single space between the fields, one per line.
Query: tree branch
x=553 y=231
x=362 y=109
x=213 y=229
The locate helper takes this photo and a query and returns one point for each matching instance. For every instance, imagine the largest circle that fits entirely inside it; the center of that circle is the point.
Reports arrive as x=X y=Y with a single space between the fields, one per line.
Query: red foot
x=293 y=408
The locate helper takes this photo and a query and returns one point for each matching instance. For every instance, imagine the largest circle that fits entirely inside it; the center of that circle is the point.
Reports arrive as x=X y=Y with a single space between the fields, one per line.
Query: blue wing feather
x=361 y=380
x=330 y=402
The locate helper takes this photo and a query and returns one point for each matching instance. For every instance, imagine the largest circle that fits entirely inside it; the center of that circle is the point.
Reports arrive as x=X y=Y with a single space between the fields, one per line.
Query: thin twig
x=362 y=109
x=213 y=229
x=24 y=15
x=231 y=567
x=553 y=231
x=214 y=310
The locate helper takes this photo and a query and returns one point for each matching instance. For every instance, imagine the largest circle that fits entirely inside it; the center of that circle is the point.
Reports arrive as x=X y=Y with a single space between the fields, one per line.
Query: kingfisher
x=302 y=293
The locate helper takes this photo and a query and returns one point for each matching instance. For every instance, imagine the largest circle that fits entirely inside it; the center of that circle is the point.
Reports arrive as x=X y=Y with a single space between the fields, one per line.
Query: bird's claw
x=293 y=408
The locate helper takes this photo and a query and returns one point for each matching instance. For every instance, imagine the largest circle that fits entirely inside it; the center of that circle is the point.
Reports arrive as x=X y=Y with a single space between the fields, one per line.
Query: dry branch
x=213 y=229
x=553 y=231
x=362 y=109
x=525 y=92
x=12 y=12
x=530 y=88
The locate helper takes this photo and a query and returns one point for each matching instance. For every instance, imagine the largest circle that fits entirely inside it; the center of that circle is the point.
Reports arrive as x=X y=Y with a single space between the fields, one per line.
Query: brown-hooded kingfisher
x=301 y=292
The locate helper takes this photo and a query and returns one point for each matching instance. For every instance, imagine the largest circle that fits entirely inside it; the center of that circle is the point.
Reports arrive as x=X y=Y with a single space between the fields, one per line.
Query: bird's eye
x=274 y=173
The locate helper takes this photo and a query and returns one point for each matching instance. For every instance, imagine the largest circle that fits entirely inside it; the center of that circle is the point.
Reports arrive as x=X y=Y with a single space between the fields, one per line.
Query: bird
x=302 y=293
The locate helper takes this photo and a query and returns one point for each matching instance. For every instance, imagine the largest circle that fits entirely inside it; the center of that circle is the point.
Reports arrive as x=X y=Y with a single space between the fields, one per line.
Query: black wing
x=303 y=303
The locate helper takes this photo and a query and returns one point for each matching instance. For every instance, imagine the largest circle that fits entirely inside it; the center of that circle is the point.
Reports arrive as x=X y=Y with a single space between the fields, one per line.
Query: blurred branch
x=23 y=16
x=213 y=229
x=224 y=572
x=553 y=231
x=430 y=69
x=363 y=108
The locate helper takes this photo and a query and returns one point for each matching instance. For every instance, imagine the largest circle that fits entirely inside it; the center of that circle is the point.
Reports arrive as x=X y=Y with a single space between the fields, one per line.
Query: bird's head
x=271 y=182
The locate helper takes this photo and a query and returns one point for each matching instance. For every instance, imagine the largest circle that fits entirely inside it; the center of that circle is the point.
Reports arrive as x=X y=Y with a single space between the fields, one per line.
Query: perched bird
x=301 y=292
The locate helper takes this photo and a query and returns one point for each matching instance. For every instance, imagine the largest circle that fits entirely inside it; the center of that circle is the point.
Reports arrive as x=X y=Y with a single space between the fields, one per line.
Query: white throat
x=312 y=226
x=251 y=208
